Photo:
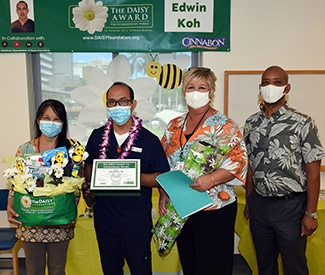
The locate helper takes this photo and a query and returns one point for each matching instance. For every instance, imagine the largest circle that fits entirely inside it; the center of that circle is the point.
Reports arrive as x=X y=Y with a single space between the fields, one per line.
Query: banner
x=114 y=26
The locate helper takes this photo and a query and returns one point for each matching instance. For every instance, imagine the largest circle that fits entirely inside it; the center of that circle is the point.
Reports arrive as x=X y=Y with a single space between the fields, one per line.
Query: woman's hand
x=163 y=199
x=202 y=183
x=11 y=214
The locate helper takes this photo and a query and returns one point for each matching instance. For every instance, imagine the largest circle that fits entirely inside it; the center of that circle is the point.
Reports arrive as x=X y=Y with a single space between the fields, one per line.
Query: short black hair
x=21 y=2
x=124 y=84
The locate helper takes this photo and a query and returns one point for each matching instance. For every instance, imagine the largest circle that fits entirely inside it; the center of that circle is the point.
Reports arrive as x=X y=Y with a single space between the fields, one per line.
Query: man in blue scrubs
x=23 y=23
x=123 y=220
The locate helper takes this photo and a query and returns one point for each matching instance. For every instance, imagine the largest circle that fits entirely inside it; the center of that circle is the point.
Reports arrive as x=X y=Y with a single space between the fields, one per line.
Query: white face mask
x=271 y=93
x=197 y=99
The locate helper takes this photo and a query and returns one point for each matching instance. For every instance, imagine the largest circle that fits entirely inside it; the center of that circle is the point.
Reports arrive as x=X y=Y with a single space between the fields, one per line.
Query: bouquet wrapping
x=204 y=158
x=167 y=229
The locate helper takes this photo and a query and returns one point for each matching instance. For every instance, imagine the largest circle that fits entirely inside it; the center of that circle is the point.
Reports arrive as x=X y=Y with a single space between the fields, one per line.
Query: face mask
x=196 y=99
x=120 y=114
x=50 y=128
x=271 y=93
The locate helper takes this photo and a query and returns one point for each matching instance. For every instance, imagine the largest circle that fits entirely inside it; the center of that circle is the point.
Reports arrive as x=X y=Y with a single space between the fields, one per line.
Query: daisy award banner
x=114 y=26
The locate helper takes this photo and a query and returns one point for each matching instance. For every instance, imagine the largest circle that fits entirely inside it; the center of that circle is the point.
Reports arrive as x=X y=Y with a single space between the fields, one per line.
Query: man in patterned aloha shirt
x=283 y=178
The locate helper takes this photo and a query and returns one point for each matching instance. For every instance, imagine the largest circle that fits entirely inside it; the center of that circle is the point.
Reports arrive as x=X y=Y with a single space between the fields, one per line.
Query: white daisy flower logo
x=26 y=201
x=31 y=186
x=90 y=16
x=58 y=172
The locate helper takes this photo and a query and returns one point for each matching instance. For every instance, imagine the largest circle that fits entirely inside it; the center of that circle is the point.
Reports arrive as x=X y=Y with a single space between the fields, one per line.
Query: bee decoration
x=59 y=159
x=169 y=76
x=77 y=152
x=21 y=167
x=77 y=155
x=260 y=101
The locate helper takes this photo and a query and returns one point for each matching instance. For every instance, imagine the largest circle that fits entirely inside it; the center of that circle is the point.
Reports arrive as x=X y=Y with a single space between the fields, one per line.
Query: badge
x=179 y=165
x=136 y=149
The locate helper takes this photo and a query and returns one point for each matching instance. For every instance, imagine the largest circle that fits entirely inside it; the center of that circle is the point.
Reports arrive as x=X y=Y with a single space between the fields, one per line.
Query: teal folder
x=186 y=200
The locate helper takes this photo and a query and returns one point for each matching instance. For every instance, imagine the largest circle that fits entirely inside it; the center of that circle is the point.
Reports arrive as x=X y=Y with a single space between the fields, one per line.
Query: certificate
x=115 y=174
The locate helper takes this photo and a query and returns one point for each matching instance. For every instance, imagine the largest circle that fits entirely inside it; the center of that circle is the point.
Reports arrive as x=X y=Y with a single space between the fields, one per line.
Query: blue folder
x=186 y=200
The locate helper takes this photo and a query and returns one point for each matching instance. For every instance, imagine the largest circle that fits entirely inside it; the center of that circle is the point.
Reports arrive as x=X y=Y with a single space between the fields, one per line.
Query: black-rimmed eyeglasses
x=121 y=102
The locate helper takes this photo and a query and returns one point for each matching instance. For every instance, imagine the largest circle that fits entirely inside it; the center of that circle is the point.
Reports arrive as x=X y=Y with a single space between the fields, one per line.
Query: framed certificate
x=115 y=174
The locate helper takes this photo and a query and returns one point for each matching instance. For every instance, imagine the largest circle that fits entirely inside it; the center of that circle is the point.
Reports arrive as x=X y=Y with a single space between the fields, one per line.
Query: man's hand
x=308 y=226
x=163 y=199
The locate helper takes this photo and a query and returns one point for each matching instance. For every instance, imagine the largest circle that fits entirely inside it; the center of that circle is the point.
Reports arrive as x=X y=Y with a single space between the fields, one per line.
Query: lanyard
x=180 y=137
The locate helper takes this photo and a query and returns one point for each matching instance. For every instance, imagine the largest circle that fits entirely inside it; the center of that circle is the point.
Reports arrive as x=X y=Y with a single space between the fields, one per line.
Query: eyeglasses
x=121 y=102
x=199 y=68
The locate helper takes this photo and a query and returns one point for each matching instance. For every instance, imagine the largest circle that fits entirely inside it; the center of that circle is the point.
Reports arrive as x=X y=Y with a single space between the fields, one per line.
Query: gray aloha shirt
x=278 y=148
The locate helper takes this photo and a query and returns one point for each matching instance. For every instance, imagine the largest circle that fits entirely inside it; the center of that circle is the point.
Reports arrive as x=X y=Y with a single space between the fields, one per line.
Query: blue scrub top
x=128 y=214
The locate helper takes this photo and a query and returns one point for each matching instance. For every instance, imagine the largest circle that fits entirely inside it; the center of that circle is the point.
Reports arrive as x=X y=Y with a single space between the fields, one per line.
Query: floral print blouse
x=217 y=129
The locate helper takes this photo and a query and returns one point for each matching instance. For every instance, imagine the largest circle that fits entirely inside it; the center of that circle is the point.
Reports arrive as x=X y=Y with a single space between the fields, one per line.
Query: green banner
x=53 y=210
x=115 y=26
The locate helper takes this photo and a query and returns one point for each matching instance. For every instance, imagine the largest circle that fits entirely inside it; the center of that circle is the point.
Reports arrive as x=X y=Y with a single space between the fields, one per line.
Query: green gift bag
x=51 y=210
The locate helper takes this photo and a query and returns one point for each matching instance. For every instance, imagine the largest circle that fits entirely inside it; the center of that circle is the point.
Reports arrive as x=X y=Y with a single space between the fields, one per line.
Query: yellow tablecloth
x=83 y=255
x=315 y=244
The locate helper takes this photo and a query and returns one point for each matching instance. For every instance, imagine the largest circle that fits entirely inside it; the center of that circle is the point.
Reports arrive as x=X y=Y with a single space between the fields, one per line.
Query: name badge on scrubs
x=136 y=149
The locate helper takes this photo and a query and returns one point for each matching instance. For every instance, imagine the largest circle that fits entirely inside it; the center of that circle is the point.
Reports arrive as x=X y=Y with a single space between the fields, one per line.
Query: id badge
x=179 y=165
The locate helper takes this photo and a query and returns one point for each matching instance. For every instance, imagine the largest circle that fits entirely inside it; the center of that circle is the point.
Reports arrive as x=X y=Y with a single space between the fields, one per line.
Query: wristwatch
x=313 y=215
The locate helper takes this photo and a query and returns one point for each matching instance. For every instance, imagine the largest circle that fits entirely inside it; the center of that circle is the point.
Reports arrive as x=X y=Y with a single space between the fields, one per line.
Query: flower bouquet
x=167 y=229
x=46 y=198
x=203 y=158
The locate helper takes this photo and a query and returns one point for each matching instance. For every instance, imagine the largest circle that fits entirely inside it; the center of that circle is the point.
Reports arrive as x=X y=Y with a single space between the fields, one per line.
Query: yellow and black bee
x=77 y=152
x=20 y=166
x=169 y=76
x=59 y=159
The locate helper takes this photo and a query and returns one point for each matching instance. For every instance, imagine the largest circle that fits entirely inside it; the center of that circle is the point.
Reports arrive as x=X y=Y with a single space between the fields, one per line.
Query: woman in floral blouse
x=206 y=241
x=52 y=127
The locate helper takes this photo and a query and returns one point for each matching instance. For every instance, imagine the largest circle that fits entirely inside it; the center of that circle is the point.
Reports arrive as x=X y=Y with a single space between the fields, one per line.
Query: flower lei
x=133 y=134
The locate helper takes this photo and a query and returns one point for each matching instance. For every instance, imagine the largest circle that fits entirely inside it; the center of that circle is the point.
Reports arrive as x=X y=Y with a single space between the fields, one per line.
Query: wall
x=14 y=106
x=288 y=33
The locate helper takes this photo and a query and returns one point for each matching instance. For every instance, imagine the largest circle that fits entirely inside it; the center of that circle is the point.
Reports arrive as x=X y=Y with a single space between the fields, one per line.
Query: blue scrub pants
x=134 y=247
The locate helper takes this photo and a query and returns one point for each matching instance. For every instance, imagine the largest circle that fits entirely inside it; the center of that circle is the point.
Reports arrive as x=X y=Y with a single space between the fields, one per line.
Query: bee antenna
x=153 y=57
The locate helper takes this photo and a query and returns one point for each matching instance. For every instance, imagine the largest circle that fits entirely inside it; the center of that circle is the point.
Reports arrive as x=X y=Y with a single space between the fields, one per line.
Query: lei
x=133 y=134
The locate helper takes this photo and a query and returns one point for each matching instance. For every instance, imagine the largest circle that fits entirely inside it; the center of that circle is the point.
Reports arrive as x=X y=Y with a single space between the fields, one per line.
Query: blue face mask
x=50 y=128
x=120 y=114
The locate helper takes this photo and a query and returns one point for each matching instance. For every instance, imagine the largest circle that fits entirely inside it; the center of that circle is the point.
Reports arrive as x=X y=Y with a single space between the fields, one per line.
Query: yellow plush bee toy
x=77 y=155
x=77 y=152
x=169 y=76
x=20 y=167
x=59 y=159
